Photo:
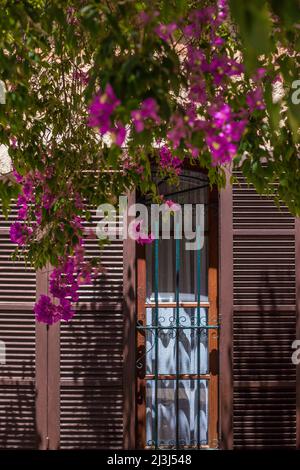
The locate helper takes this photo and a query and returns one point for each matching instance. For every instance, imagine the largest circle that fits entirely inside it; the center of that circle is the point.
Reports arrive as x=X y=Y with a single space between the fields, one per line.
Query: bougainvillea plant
x=98 y=92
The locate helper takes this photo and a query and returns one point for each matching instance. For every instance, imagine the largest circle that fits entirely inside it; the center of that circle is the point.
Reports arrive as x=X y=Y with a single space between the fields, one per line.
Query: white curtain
x=193 y=409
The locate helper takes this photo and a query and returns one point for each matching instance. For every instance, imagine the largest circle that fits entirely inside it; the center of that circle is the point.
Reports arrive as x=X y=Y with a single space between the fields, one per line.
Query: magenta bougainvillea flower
x=172 y=206
x=178 y=130
x=28 y=190
x=220 y=114
x=165 y=31
x=101 y=109
x=223 y=133
x=260 y=74
x=195 y=59
x=18 y=177
x=168 y=161
x=192 y=30
x=197 y=116
x=118 y=134
x=71 y=271
x=23 y=207
x=100 y=115
x=255 y=100
x=48 y=199
x=45 y=311
x=19 y=233
x=65 y=281
x=221 y=149
x=197 y=91
x=218 y=129
x=148 y=110
x=222 y=67
x=234 y=130
x=217 y=41
x=222 y=12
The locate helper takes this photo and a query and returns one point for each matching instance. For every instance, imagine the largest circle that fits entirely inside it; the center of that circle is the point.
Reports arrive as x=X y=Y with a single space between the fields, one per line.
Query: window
x=177 y=329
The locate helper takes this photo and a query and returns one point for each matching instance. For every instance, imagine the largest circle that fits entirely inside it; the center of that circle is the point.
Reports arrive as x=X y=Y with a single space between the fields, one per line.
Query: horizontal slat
x=91 y=413
x=91 y=417
x=252 y=211
x=17 y=281
x=108 y=287
x=264 y=271
x=92 y=346
x=17 y=330
x=264 y=418
x=264 y=321
x=17 y=417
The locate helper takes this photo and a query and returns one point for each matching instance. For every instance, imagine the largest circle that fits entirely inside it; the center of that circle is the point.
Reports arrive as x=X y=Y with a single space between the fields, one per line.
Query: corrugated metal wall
x=264 y=322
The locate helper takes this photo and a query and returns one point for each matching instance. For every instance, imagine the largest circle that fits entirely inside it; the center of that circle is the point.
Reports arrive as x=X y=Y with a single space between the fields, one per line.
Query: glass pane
x=192 y=421
x=188 y=277
x=166 y=271
x=192 y=342
x=188 y=282
x=193 y=189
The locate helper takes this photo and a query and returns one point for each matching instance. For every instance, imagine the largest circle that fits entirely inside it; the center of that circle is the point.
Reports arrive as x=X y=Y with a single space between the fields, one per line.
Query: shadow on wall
x=91 y=370
x=17 y=411
x=264 y=400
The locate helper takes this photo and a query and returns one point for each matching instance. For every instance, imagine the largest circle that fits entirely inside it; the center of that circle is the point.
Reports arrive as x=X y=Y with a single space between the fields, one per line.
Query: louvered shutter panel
x=91 y=358
x=17 y=335
x=264 y=321
x=61 y=386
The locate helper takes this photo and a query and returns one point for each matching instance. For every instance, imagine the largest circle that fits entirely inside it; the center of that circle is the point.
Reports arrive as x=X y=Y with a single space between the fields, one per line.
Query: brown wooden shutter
x=91 y=360
x=263 y=321
x=61 y=385
x=17 y=331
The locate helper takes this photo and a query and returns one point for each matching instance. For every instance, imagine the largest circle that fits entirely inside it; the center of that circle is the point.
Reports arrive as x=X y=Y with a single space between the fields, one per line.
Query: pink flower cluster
x=178 y=130
x=148 y=110
x=22 y=230
x=255 y=99
x=100 y=115
x=168 y=161
x=201 y=122
x=19 y=233
x=165 y=31
x=220 y=128
x=128 y=164
x=221 y=67
x=223 y=136
x=171 y=206
x=65 y=281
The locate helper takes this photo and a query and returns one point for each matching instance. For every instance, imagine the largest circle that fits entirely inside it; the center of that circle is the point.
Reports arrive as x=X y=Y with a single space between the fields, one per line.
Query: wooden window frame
x=213 y=334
